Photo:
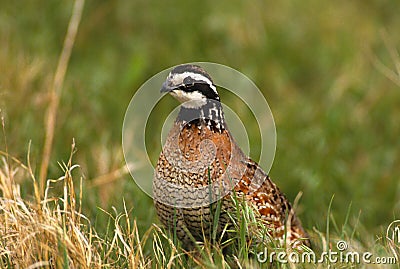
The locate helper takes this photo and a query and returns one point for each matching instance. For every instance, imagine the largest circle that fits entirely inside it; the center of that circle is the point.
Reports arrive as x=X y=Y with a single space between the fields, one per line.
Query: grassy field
x=329 y=70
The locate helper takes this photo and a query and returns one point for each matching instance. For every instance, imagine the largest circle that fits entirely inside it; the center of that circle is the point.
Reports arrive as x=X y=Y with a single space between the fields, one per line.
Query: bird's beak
x=167 y=87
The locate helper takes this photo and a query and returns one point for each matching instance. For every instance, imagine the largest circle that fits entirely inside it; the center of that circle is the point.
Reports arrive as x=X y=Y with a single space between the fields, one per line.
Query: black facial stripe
x=204 y=89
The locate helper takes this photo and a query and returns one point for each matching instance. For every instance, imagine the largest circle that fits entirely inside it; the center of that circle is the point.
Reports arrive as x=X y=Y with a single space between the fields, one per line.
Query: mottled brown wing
x=274 y=208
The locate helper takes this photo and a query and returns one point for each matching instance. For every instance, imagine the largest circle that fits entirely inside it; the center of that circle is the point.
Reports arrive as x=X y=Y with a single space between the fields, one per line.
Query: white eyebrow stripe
x=179 y=77
x=195 y=76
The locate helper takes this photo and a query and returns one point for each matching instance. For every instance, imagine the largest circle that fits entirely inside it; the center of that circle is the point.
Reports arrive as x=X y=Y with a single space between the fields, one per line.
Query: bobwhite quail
x=201 y=165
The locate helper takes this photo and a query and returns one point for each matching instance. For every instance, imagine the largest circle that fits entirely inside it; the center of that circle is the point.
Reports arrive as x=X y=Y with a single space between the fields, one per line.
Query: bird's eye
x=188 y=81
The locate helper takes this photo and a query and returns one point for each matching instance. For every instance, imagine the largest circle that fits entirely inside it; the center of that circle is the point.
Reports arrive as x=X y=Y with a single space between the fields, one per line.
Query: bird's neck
x=209 y=115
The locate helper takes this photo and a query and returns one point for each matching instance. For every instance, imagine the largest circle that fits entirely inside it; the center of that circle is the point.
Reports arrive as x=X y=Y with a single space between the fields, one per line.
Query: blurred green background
x=327 y=69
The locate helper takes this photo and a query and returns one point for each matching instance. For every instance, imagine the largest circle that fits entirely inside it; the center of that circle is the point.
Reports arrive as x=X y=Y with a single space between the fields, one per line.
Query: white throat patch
x=189 y=99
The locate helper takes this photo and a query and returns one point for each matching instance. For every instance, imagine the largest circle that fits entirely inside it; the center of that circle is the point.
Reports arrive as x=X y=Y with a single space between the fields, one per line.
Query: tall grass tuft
x=54 y=233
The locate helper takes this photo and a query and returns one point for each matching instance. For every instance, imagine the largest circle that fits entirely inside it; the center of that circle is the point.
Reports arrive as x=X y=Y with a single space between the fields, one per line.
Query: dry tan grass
x=52 y=232
x=56 y=89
